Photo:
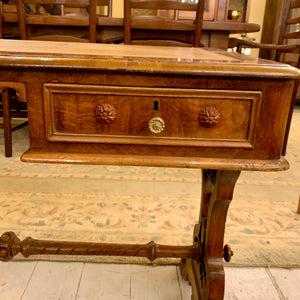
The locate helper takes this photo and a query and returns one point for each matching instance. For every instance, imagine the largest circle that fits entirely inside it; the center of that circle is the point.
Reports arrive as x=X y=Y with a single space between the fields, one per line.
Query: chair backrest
x=1 y=24
x=290 y=32
x=60 y=20
x=164 y=29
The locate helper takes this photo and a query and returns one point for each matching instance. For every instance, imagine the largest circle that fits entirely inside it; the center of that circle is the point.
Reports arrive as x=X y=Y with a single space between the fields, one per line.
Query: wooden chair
x=1 y=22
x=160 y=30
x=47 y=20
x=11 y=107
x=288 y=48
x=60 y=20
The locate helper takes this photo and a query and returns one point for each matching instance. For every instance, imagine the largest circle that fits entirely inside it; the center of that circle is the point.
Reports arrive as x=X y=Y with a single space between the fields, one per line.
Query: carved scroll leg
x=206 y=273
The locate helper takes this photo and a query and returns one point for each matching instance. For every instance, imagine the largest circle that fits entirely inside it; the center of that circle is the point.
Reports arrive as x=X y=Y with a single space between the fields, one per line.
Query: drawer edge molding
x=280 y=164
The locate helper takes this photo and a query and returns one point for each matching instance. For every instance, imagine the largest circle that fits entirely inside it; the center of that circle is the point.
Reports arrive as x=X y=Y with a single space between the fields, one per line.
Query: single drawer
x=150 y=116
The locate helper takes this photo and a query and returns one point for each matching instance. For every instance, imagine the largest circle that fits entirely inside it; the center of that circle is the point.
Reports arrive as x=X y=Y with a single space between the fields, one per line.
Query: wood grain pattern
x=73 y=111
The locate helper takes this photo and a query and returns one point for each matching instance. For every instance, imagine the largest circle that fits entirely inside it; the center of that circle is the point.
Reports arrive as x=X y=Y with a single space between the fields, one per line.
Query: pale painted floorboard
x=14 y=279
x=70 y=281
x=54 y=281
x=288 y=281
x=159 y=283
x=184 y=285
x=249 y=284
x=105 y=282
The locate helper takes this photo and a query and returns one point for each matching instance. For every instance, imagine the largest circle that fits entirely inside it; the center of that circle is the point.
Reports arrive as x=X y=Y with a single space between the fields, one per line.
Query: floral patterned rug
x=139 y=204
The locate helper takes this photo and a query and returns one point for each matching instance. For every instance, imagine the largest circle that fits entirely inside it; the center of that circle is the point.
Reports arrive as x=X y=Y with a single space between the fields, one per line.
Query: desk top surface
x=200 y=61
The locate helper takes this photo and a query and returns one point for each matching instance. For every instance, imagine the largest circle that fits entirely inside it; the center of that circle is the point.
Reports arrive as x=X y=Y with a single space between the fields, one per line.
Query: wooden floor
x=88 y=281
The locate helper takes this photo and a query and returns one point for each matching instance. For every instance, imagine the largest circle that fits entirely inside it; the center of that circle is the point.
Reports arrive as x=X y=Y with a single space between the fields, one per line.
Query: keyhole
x=156 y=105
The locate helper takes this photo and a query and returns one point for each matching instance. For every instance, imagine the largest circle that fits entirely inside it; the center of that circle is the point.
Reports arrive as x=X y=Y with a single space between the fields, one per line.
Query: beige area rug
x=139 y=204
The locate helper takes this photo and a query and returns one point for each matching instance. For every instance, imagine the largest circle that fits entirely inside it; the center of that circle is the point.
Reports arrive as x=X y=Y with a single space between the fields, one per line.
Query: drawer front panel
x=130 y=115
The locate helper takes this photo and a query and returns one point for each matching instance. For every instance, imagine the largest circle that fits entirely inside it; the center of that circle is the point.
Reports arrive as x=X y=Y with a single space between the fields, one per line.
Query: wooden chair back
x=164 y=28
x=1 y=23
x=60 y=20
x=287 y=49
x=290 y=34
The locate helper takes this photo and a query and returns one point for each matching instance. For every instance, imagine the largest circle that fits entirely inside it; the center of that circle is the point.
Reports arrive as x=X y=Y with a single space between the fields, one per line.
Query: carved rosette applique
x=209 y=117
x=106 y=113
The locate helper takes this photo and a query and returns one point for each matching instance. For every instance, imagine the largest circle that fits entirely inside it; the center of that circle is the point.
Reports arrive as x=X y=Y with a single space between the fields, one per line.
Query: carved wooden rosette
x=209 y=117
x=106 y=113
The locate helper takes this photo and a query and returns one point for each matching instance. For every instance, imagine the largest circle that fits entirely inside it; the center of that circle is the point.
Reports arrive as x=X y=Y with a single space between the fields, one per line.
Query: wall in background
x=117 y=10
x=257 y=11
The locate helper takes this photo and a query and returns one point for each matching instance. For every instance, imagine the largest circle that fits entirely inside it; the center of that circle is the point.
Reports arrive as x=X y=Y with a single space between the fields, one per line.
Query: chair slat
x=74 y=3
x=59 y=38
x=293 y=21
x=58 y=20
x=157 y=23
x=164 y=5
x=292 y=35
x=295 y=4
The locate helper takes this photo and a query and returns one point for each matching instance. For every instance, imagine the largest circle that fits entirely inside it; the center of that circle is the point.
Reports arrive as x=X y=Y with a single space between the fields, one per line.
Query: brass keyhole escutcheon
x=156 y=125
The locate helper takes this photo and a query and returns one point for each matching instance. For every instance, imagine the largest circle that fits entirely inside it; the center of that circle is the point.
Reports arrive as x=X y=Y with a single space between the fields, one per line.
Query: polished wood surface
x=139 y=58
x=153 y=106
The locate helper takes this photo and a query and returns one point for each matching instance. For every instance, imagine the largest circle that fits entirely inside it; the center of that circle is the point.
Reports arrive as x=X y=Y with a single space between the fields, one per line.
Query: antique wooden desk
x=154 y=106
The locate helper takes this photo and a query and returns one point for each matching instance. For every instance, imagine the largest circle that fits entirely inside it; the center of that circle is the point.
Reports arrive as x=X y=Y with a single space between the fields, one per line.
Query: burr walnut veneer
x=154 y=106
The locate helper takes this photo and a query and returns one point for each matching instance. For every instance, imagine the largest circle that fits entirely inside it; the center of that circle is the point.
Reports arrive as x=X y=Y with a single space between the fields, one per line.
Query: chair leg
x=7 y=123
x=298 y=210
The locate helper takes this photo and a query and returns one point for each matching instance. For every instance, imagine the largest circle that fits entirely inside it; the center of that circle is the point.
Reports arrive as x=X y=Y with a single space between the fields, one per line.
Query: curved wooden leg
x=206 y=273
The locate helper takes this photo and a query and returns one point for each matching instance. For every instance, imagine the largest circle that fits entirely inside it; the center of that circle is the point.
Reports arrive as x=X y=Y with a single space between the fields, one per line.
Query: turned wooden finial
x=9 y=246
